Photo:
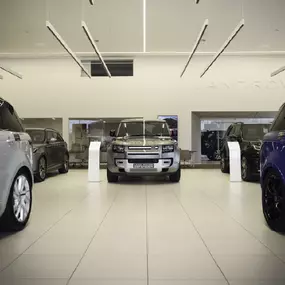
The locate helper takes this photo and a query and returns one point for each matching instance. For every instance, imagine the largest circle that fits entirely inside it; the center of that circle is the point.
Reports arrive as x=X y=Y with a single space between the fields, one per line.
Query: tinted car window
x=38 y=136
x=49 y=135
x=9 y=119
x=279 y=122
x=254 y=132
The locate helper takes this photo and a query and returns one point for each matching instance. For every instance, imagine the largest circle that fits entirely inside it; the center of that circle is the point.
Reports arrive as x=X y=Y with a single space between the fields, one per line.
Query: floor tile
x=75 y=281
x=116 y=266
x=262 y=267
x=41 y=266
x=183 y=267
x=33 y=281
x=188 y=282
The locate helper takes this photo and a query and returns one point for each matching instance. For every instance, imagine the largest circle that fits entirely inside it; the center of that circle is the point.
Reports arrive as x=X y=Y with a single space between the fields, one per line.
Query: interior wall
x=54 y=88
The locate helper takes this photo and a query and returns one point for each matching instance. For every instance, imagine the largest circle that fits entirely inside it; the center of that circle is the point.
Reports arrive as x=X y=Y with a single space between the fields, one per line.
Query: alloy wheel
x=21 y=198
x=243 y=167
x=42 y=168
x=273 y=197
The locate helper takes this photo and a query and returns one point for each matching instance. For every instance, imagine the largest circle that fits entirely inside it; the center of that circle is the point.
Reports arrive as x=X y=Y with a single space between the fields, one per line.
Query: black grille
x=143 y=160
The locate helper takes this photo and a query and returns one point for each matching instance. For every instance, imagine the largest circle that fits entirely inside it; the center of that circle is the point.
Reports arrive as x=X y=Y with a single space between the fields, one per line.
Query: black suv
x=249 y=137
x=50 y=152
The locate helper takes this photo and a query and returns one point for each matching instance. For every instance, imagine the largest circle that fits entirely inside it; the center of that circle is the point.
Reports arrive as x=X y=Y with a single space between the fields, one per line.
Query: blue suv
x=272 y=165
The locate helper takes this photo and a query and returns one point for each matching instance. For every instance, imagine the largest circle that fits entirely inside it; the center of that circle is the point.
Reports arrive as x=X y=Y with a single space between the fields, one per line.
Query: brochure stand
x=94 y=162
x=235 y=162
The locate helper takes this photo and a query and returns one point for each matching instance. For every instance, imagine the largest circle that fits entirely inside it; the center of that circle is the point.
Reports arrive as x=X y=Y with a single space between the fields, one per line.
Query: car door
x=51 y=149
x=59 y=148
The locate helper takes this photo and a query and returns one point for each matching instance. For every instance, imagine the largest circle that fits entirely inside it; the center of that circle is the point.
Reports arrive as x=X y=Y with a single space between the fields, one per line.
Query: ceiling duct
x=66 y=47
x=92 y=42
x=12 y=72
x=225 y=45
x=200 y=36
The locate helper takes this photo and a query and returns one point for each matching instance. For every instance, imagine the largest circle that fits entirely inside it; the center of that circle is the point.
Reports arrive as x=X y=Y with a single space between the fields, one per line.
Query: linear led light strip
x=226 y=44
x=66 y=47
x=200 y=36
x=197 y=1
x=92 y=42
x=12 y=72
x=281 y=69
x=91 y=2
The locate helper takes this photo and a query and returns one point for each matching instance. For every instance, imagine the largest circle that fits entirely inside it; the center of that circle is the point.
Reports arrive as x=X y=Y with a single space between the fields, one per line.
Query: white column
x=65 y=130
x=195 y=136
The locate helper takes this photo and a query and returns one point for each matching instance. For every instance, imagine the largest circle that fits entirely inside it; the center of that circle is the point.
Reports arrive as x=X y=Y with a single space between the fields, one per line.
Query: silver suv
x=16 y=174
x=143 y=148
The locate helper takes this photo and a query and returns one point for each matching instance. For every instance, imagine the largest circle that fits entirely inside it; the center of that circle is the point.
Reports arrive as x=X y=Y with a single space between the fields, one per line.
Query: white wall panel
x=54 y=88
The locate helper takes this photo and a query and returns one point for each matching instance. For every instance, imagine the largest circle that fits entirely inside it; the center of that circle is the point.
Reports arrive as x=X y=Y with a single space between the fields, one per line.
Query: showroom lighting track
x=12 y=72
x=66 y=47
x=281 y=69
x=200 y=36
x=225 y=45
x=92 y=42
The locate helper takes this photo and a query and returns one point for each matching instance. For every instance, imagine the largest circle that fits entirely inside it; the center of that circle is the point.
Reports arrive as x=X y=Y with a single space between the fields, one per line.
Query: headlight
x=256 y=147
x=118 y=148
x=167 y=148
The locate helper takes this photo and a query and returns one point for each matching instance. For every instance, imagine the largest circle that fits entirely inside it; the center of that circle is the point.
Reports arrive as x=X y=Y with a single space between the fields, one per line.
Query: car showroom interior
x=142 y=142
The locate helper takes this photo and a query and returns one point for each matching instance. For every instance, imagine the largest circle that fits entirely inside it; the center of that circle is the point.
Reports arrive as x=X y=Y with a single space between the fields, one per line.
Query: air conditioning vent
x=116 y=68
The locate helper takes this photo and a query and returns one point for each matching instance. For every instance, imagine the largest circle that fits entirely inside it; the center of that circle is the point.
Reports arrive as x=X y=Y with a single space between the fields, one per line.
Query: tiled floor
x=201 y=231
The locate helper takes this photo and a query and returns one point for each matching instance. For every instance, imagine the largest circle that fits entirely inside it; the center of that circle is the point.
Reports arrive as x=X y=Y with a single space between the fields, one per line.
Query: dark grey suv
x=49 y=152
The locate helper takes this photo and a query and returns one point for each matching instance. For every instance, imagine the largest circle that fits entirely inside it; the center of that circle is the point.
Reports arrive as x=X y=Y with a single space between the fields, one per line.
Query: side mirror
x=52 y=140
x=112 y=133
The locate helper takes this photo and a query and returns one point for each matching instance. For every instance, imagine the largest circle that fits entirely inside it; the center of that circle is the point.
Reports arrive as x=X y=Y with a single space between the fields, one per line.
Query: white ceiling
x=171 y=25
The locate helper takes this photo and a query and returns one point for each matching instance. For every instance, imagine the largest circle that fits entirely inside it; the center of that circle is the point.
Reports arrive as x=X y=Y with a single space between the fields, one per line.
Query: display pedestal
x=94 y=162
x=235 y=162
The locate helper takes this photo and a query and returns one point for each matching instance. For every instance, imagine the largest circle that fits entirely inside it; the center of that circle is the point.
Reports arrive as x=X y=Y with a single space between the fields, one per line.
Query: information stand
x=235 y=161
x=94 y=162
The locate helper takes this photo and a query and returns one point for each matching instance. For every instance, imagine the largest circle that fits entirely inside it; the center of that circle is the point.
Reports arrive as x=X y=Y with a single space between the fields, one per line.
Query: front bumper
x=254 y=164
x=143 y=164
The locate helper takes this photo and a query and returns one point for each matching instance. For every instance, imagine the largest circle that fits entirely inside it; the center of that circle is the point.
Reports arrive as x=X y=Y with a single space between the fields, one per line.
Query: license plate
x=143 y=165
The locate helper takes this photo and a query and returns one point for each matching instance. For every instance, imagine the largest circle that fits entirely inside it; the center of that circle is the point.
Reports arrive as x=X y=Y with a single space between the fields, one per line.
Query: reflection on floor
x=203 y=230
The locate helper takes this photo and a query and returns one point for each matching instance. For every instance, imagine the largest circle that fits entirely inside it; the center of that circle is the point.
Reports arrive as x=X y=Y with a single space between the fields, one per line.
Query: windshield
x=37 y=136
x=254 y=132
x=147 y=128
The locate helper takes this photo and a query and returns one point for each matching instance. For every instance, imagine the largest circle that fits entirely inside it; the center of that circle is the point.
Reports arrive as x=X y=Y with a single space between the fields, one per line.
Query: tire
x=112 y=178
x=273 y=194
x=245 y=170
x=65 y=167
x=225 y=168
x=175 y=178
x=42 y=170
x=15 y=217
